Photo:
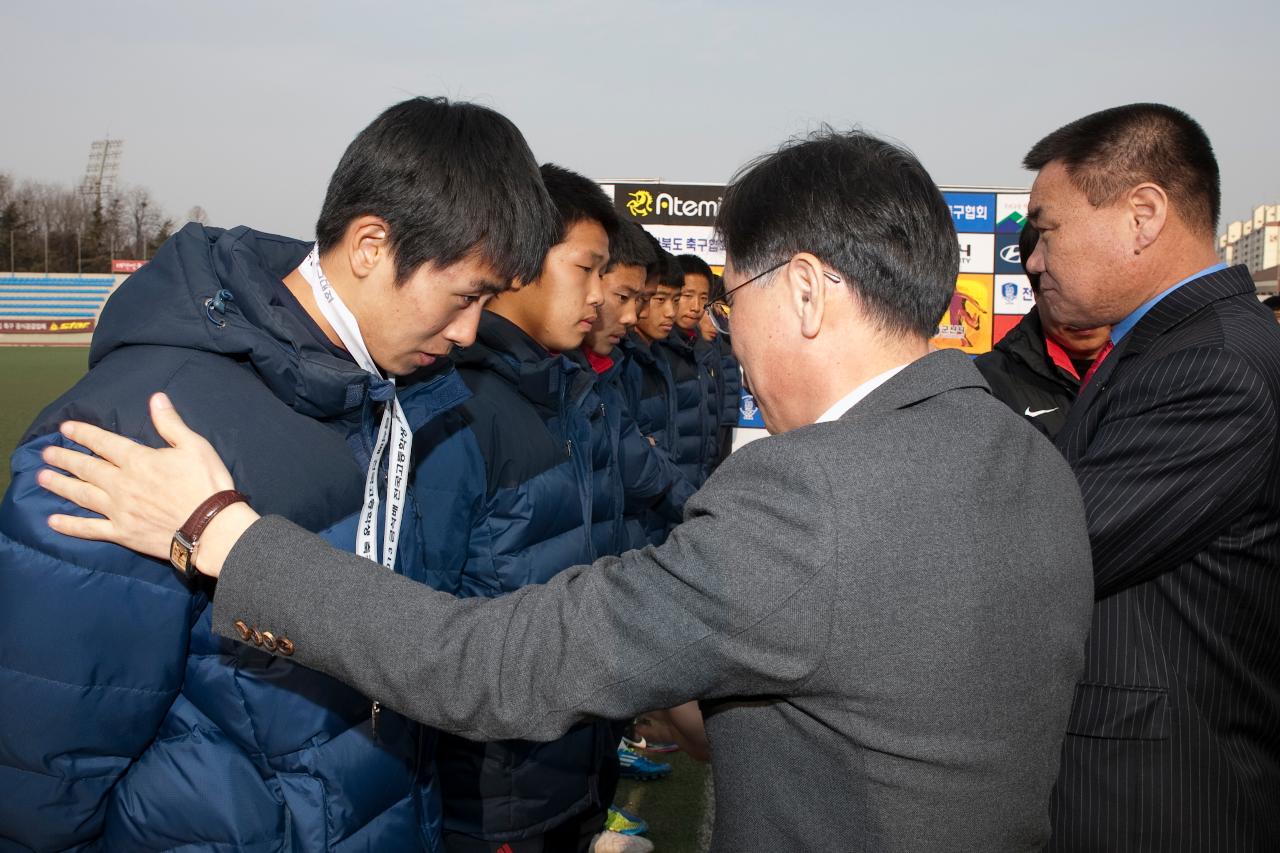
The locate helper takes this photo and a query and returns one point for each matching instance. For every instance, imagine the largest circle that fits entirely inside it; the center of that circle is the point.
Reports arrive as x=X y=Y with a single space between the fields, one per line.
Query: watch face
x=179 y=555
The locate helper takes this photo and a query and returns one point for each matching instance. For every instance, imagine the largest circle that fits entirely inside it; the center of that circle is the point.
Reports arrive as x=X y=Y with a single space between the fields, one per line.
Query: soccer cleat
x=654 y=746
x=634 y=740
x=637 y=742
x=616 y=842
x=625 y=822
x=635 y=766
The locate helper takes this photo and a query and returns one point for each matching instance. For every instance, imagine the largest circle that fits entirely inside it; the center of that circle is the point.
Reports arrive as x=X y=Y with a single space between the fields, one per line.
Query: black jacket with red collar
x=1032 y=375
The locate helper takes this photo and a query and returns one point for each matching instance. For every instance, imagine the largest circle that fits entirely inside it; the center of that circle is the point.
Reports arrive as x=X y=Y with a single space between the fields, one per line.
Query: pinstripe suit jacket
x=1174 y=737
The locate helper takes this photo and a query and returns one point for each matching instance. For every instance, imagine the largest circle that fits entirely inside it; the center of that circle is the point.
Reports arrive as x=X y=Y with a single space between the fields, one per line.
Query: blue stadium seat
x=78 y=297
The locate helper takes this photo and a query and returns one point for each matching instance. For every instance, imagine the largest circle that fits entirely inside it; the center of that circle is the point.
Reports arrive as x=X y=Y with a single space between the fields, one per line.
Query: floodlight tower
x=104 y=166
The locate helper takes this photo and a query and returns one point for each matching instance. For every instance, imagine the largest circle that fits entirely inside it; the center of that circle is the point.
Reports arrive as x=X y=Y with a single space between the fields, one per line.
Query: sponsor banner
x=966 y=324
x=972 y=211
x=1001 y=327
x=1008 y=258
x=1013 y=294
x=748 y=413
x=45 y=327
x=125 y=267
x=977 y=253
x=1011 y=212
x=697 y=240
x=668 y=204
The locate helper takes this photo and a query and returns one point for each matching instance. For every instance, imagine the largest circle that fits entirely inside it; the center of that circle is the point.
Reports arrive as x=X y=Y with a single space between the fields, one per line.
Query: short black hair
x=578 y=199
x=629 y=247
x=717 y=288
x=1272 y=302
x=1028 y=237
x=671 y=274
x=1108 y=153
x=694 y=265
x=659 y=262
x=451 y=180
x=864 y=206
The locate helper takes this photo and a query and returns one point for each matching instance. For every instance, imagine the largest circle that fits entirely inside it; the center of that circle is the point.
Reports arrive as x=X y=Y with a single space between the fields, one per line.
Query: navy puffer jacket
x=729 y=380
x=694 y=366
x=505 y=494
x=644 y=475
x=650 y=394
x=650 y=391
x=125 y=723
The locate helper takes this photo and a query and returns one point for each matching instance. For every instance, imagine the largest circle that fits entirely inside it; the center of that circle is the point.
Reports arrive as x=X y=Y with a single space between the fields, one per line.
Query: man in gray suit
x=889 y=597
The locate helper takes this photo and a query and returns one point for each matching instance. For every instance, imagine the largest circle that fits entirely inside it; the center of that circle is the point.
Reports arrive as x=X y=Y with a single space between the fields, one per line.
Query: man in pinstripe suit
x=1174 y=737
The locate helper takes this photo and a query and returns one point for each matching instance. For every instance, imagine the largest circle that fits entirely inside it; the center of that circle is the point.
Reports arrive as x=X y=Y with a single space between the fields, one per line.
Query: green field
x=30 y=379
x=673 y=806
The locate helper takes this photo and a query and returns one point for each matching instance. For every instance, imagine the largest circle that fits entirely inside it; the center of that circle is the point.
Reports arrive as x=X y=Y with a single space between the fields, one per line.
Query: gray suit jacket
x=885 y=617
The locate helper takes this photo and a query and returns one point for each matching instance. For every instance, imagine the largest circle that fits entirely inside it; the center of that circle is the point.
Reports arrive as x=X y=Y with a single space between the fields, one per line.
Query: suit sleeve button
x=269 y=641
x=285 y=646
x=242 y=629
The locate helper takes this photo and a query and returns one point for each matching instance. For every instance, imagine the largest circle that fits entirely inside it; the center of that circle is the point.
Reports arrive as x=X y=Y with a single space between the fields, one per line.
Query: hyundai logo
x=1011 y=255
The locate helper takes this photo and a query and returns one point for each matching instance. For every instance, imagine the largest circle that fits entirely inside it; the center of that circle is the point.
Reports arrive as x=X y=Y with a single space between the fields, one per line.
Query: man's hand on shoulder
x=143 y=495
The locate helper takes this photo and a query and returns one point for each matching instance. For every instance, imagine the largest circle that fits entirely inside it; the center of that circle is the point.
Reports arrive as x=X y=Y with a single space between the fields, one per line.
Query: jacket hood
x=618 y=368
x=692 y=348
x=503 y=348
x=635 y=347
x=175 y=301
x=681 y=341
x=618 y=357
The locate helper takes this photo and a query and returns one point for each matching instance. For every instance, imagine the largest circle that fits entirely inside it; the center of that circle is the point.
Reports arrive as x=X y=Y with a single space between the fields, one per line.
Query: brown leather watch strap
x=204 y=513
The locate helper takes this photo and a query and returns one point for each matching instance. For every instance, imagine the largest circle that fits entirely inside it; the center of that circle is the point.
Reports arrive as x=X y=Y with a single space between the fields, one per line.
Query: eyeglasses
x=720 y=309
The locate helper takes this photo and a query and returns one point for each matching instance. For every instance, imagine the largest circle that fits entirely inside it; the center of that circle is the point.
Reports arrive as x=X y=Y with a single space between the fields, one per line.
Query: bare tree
x=58 y=227
x=143 y=215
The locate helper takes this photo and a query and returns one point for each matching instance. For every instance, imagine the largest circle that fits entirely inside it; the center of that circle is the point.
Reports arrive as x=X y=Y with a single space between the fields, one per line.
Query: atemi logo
x=1010 y=254
x=673 y=205
x=668 y=204
x=640 y=204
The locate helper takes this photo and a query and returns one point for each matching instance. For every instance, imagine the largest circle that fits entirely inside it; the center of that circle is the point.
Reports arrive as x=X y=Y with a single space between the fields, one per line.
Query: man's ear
x=808 y=292
x=367 y=245
x=1147 y=209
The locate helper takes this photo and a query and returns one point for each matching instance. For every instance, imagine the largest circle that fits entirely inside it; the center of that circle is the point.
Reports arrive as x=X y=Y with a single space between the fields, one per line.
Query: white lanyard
x=394 y=423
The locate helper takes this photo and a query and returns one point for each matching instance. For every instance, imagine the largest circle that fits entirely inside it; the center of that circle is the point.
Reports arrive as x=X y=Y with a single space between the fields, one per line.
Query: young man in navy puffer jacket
x=695 y=366
x=118 y=704
x=509 y=482
x=646 y=475
x=650 y=389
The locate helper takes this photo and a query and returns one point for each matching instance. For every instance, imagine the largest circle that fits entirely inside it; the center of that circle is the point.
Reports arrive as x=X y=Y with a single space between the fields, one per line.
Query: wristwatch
x=183 y=547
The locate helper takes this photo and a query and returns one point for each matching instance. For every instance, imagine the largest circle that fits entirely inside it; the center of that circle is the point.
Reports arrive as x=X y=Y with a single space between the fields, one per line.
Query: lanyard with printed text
x=394 y=429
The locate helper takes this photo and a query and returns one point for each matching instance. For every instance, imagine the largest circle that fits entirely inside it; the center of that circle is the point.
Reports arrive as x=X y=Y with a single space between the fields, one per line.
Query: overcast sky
x=244 y=108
